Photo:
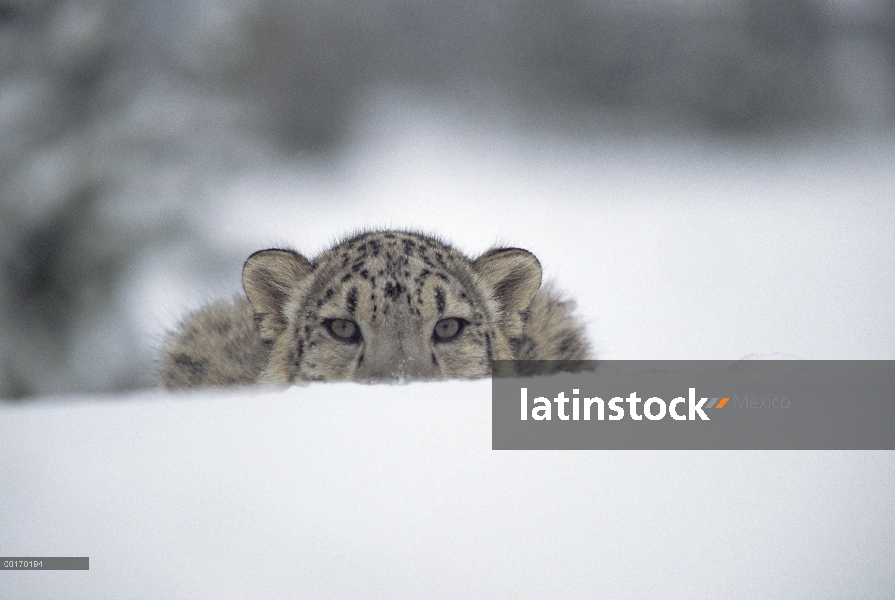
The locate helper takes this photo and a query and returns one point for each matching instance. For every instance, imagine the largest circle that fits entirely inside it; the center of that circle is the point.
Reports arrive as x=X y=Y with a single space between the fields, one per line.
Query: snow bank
x=384 y=491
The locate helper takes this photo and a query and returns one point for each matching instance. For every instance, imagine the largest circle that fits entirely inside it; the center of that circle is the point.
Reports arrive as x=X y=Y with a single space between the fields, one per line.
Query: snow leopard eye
x=343 y=330
x=447 y=330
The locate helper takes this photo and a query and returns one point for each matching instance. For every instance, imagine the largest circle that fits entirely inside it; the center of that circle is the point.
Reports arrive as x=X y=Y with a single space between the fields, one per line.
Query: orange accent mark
x=722 y=403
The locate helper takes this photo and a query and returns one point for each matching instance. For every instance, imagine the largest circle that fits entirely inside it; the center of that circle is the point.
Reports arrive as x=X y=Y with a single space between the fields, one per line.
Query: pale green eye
x=344 y=330
x=448 y=330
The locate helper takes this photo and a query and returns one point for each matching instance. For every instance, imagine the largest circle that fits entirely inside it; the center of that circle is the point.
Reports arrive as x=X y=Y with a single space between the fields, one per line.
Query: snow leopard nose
x=400 y=364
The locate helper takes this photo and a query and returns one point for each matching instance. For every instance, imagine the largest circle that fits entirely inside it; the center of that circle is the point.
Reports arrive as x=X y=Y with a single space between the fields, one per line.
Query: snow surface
x=352 y=491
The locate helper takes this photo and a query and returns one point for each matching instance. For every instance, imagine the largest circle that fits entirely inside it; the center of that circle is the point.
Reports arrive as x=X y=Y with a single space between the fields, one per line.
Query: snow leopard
x=378 y=306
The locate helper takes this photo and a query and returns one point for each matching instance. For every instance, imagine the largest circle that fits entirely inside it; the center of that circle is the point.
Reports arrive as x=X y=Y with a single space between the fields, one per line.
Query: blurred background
x=147 y=147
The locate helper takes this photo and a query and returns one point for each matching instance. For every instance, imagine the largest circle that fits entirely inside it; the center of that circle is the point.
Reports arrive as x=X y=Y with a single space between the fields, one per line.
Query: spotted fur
x=395 y=286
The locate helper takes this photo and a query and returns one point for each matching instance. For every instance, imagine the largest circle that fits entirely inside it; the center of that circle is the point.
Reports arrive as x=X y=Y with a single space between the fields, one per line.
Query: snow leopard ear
x=514 y=276
x=269 y=277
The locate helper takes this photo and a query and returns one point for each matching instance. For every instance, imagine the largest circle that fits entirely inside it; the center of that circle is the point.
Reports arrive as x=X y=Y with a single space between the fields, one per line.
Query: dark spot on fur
x=185 y=361
x=566 y=343
x=439 y=300
x=195 y=368
x=421 y=278
x=221 y=327
x=442 y=276
x=393 y=290
x=351 y=300
x=397 y=266
x=347 y=276
x=365 y=274
x=488 y=346
x=434 y=359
